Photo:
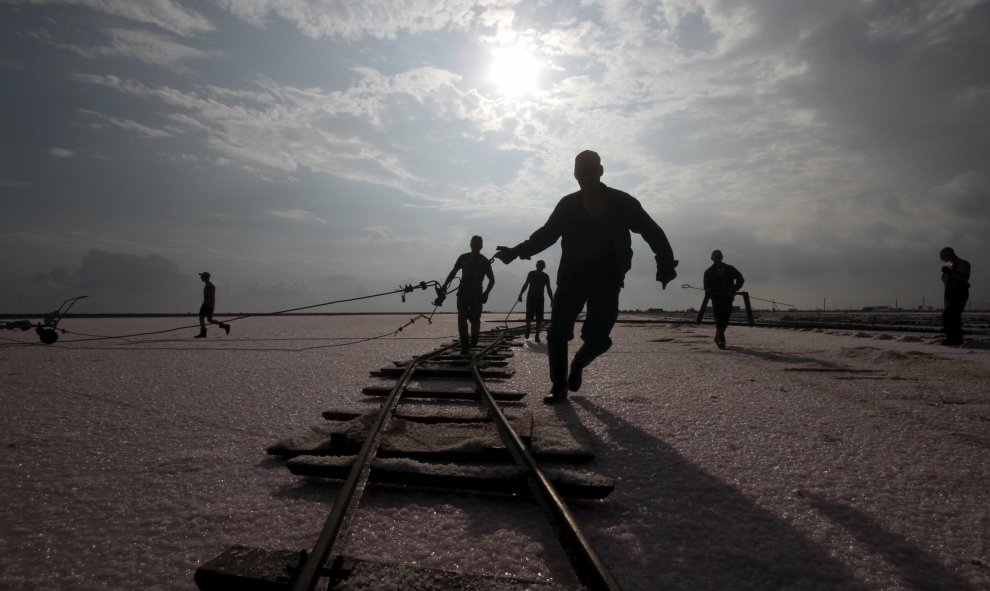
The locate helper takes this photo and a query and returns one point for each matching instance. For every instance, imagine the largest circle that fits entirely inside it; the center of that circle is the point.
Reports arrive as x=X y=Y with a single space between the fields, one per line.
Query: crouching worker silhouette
x=537 y=281
x=474 y=267
x=596 y=252
x=206 y=310
x=722 y=281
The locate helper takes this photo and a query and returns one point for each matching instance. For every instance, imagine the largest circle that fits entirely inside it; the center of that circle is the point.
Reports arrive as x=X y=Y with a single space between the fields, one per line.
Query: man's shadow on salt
x=694 y=531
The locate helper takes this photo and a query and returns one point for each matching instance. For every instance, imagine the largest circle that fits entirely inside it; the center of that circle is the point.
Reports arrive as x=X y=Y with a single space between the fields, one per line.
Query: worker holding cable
x=474 y=267
x=593 y=225
x=722 y=281
x=537 y=281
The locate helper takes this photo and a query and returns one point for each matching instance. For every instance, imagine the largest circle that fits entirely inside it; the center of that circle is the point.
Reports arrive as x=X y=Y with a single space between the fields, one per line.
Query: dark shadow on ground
x=688 y=528
x=783 y=358
x=917 y=567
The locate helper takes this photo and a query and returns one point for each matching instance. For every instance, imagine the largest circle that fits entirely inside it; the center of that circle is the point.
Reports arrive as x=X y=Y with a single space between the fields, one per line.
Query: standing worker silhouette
x=955 y=276
x=206 y=310
x=537 y=280
x=722 y=281
x=596 y=252
x=474 y=267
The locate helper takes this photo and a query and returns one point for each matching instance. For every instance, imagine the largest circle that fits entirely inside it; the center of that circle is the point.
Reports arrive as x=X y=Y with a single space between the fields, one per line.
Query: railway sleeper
x=465 y=438
x=446 y=394
x=475 y=477
x=451 y=371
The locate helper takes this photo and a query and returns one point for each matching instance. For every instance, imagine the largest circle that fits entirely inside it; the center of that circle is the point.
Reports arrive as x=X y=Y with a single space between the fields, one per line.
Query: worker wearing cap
x=206 y=310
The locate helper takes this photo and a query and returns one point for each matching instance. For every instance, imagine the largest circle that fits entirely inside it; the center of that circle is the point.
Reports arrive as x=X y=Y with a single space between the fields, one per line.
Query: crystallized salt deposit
x=793 y=459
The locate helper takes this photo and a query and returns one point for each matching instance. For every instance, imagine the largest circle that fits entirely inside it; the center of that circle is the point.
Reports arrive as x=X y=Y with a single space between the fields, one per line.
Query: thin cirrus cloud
x=147 y=47
x=344 y=133
x=297 y=215
x=164 y=14
x=354 y=19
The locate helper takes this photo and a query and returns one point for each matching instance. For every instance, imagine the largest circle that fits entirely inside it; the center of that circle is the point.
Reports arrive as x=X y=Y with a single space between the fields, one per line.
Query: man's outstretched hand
x=666 y=273
x=504 y=254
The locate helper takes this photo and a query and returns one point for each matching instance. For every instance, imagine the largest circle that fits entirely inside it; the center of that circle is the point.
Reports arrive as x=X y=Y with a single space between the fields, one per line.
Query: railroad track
x=494 y=452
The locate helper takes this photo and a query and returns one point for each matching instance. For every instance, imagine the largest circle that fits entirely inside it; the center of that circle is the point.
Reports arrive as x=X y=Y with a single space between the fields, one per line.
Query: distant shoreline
x=217 y=314
x=976 y=322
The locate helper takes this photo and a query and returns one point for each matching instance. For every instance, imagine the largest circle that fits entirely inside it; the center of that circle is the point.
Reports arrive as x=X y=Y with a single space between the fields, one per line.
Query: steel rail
x=588 y=566
x=357 y=479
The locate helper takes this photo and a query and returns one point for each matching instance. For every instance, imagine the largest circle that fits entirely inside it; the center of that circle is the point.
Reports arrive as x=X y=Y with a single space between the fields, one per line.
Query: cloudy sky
x=308 y=150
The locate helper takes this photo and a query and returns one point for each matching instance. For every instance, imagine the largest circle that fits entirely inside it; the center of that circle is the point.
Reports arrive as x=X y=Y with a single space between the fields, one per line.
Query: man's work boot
x=557 y=359
x=201 y=335
x=581 y=360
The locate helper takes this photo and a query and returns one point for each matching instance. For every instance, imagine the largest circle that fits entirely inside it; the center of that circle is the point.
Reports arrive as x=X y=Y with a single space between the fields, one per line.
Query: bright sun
x=514 y=71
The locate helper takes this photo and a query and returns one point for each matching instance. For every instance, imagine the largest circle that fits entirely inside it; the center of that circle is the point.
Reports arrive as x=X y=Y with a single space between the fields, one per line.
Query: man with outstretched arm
x=474 y=267
x=596 y=252
x=537 y=281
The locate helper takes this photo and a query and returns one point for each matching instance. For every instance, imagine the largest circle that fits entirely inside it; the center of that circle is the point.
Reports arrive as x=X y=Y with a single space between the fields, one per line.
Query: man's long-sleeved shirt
x=601 y=246
x=720 y=278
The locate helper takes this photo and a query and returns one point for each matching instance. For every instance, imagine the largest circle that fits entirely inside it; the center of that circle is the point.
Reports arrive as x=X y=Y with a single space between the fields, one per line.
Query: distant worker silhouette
x=206 y=310
x=596 y=252
x=474 y=267
x=955 y=276
x=722 y=281
x=538 y=281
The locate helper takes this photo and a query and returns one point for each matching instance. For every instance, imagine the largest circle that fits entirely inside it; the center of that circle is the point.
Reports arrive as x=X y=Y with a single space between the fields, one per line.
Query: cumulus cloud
x=127 y=273
x=119 y=282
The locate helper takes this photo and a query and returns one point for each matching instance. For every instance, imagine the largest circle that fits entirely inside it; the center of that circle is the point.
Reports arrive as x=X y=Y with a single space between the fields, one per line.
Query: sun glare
x=514 y=71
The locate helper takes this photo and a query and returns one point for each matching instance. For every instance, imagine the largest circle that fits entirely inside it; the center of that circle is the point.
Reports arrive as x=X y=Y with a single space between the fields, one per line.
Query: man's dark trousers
x=469 y=310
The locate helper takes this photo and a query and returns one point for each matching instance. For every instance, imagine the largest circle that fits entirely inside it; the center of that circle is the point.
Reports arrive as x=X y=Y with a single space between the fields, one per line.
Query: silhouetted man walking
x=537 y=281
x=596 y=252
x=955 y=276
x=206 y=310
x=722 y=281
x=474 y=267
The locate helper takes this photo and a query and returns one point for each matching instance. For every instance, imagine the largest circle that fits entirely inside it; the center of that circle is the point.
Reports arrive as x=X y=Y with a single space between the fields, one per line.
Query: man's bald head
x=588 y=169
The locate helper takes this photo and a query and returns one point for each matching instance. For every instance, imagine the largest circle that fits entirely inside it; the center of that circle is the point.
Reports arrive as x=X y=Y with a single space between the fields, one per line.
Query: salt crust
x=126 y=465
